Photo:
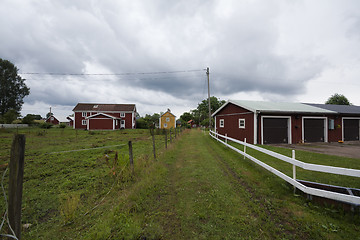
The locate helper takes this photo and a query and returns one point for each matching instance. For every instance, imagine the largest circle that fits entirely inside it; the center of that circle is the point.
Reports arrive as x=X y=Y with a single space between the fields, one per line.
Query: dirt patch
x=349 y=149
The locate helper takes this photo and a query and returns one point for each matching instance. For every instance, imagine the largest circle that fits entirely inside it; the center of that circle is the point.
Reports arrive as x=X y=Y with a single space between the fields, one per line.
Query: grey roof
x=277 y=107
x=343 y=109
x=104 y=107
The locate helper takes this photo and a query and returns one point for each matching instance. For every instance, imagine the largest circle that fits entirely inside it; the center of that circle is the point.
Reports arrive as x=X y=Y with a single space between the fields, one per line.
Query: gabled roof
x=104 y=107
x=106 y=115
x=275 y=107
x=343 y=109
x=166 y=113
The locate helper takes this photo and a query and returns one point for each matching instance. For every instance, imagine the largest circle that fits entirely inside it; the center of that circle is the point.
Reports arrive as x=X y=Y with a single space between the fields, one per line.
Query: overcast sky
x=273 y=50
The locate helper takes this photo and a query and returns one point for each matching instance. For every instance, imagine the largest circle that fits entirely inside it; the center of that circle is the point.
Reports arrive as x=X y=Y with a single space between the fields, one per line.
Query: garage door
x=351 y=129
x=275 y=130
x=314 y=130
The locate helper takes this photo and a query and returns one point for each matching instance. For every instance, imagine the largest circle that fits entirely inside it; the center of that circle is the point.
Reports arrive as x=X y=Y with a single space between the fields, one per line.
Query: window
x=84 y=114
x=122 y=114
x=241 y=123
x=52 y=118
x=95 y=106
x=331 y=124
x=165 y=125
x=83 y=122
x=222 y=123
x=168 y=119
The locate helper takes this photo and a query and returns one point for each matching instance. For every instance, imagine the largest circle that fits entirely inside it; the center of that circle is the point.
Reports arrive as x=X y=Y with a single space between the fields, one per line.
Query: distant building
x=167 y=120
x=94 y=116
x=52 y=120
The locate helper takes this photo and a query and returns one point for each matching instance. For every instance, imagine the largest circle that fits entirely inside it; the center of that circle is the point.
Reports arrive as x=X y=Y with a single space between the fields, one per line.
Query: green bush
x=45 y=125
x=62 y=125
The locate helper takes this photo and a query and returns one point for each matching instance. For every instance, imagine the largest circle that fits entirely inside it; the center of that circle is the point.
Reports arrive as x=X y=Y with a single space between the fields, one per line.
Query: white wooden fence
x=308 y=166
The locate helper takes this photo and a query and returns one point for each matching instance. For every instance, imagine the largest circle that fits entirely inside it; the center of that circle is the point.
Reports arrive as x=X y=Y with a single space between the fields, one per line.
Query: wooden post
x=244 y=148
x=294 y=168
x=16 y=182
x=170 y=136
x=165 y=139
x=175 y=132
x=226 y=138
x=131 y=156
x=153 y=141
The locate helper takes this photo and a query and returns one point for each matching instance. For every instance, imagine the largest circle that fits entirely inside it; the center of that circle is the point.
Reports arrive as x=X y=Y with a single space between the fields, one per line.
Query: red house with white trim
x=94 y=116
x=52 y=120
x=280 y=122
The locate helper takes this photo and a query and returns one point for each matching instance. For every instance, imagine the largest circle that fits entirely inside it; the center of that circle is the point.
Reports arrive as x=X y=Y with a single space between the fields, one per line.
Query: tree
x=12 y=88
x=338 y=99
x=185 y=117
x=201 y=113
x=149 y=121
x=10 y=116
x=28 y=119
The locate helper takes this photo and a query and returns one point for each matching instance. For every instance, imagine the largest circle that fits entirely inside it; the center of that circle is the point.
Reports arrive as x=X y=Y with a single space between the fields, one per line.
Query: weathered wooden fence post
x=170 y=136
x=16 y=183
x=226 y=138
x=175 y=132
x=165 y=138
x=153 y=141
x=294 y=168
x=131 y=156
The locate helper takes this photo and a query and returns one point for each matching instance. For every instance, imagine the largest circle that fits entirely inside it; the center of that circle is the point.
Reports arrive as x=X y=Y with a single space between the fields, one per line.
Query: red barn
x=278 y=122
x=53 y=120
x=94 y=116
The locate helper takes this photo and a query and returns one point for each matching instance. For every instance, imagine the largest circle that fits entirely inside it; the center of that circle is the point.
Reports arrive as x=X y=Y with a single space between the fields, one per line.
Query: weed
x=69 y=207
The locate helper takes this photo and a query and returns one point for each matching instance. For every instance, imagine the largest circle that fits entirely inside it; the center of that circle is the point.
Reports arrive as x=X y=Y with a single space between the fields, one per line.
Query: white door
x=122 y=124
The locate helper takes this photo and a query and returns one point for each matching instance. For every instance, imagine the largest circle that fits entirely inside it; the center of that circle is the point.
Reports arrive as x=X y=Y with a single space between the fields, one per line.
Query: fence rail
x=313 y=167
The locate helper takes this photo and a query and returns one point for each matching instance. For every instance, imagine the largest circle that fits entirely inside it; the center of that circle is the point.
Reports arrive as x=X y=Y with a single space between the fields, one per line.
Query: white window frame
x=122 y=114
x=168 y=119
x=222 y=123
x=84 y=114
x=165 y=125
x=84 y=122
x=242 y=125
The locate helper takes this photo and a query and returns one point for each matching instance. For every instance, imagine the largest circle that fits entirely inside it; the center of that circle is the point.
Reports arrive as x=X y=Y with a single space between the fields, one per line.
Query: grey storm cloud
x=260 y=46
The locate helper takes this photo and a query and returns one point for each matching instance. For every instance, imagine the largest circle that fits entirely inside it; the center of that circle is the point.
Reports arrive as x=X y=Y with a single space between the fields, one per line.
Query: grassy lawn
x=197 y=189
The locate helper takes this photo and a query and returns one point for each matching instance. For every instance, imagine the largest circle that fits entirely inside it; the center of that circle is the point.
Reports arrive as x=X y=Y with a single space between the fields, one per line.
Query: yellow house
x=167 y=120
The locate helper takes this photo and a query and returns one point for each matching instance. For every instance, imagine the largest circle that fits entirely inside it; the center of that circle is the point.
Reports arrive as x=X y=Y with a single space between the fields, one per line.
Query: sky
x=155 y=53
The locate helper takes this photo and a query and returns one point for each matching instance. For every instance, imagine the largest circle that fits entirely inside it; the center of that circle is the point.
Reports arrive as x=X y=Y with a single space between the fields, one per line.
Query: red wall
x=231 y=123
x=78 y=119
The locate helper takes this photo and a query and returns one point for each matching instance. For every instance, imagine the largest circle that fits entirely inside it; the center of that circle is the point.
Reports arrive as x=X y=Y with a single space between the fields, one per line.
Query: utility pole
x=208 y=80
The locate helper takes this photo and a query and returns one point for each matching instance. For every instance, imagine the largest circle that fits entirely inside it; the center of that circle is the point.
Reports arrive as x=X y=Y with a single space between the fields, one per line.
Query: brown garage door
x=275 y=130
x=314 y=130
x=351 y=129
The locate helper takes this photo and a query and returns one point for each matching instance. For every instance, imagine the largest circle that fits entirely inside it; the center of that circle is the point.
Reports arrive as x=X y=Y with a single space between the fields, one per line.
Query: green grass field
x=197 y=189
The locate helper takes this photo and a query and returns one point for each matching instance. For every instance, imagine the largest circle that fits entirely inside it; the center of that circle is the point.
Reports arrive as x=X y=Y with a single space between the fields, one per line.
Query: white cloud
x=270 y=50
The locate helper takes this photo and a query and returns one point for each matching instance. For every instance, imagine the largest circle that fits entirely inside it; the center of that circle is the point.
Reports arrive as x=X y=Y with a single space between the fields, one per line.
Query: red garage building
x=93 y=116
x=276 y=122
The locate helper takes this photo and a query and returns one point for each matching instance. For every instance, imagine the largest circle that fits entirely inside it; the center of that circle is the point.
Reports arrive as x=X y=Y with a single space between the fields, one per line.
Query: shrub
x=45 y=125
x=62 y=125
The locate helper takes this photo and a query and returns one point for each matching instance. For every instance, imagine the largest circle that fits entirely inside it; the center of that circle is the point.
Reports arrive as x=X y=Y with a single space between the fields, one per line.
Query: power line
x=112 y=74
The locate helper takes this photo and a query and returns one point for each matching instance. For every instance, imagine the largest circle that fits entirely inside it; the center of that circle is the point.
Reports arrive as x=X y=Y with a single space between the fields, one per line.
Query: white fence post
x=294 y=168
x=226 y=138
x=244 y=147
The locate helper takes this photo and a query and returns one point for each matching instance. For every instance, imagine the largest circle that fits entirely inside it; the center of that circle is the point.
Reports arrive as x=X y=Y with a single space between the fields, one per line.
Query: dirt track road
x=346 y=149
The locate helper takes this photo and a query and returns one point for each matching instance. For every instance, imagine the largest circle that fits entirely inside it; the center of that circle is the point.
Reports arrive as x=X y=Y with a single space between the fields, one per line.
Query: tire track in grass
x=283 y=226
